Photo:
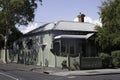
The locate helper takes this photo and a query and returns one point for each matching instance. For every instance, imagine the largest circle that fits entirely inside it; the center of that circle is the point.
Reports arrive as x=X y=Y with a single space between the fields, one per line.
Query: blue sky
x=55 y=10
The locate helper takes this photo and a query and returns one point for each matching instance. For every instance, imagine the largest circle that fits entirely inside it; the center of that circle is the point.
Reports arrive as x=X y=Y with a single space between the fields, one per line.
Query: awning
x=74 y=36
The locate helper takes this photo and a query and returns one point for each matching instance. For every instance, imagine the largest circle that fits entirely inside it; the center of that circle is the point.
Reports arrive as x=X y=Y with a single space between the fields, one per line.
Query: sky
x=56 y=10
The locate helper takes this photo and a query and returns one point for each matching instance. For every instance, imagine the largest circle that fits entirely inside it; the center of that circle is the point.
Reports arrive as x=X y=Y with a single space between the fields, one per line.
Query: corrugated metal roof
x=71 y=36
x=67 y=26
x=74 y=26
x=74 y=36
x=45 y=27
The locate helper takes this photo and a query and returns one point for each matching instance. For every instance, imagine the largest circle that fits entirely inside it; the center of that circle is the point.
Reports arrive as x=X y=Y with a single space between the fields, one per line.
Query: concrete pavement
x=59 y=71
x=88 y=72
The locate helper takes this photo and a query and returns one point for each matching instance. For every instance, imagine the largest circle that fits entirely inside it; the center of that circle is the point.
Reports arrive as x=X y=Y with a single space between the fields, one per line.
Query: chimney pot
x=81 y=17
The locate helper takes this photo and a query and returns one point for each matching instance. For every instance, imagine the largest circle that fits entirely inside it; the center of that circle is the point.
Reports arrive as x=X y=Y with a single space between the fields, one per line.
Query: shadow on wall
x=24 y=56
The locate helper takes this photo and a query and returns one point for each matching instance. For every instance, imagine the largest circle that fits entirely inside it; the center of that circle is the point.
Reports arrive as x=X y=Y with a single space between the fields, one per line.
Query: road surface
x=8 y=73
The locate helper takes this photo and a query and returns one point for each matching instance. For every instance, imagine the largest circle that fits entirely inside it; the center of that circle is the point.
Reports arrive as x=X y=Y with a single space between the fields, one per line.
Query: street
x=23 y=75
x=99 y=77
x=12 y=73
x=26 y=75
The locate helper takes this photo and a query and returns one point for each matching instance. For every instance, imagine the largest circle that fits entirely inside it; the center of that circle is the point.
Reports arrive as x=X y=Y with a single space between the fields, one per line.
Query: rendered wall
x=48 y=55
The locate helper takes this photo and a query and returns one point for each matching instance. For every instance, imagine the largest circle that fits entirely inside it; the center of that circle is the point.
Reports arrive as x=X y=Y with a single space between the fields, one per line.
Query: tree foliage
x=14 y=13
x=116 y=58
x=108 y=34
x=15 y=34
x=19 y=12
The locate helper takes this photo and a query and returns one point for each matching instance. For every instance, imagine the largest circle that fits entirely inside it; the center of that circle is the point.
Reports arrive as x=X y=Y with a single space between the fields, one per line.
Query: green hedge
x=64 y=64
x=106 y=60
x=116 y=58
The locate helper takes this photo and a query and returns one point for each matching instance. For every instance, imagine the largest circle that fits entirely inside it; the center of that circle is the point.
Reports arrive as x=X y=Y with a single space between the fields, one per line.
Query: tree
x=19 y=12
x=15 y=34
x=14 y=13
x=108 y=35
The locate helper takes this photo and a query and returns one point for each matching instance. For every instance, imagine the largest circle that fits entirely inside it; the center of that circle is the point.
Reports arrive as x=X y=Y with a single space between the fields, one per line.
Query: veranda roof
x=74 y=36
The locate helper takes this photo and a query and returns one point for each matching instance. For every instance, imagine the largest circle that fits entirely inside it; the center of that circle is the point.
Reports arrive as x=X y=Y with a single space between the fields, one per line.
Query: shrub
x=106 y=60
x=64 y=64
x=64 y=54
x=116 y=58
x=76 y=64
x=46 y=63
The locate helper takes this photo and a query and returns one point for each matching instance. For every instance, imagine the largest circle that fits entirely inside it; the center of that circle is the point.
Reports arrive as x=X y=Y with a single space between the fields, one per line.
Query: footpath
x=59 y=71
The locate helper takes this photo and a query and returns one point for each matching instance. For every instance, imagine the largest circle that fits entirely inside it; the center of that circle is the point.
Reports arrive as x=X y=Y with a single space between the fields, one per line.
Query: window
x=73 y=46
x=63 y=49
x=56 y=47
x=29 y=43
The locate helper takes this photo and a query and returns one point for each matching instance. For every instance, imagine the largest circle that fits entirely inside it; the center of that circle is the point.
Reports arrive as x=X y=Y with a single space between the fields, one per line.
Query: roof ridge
x=57 y=23
x=73 y=22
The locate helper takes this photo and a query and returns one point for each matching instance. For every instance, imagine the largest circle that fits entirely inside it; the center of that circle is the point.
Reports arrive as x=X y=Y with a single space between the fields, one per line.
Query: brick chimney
x=81 y=17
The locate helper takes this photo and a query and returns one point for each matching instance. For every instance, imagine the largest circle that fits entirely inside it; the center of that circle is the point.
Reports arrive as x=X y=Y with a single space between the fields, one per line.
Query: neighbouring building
x=52 y=43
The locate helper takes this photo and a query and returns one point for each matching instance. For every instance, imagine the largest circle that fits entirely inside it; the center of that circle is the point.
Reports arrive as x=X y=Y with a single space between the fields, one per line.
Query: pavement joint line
x=9 y=76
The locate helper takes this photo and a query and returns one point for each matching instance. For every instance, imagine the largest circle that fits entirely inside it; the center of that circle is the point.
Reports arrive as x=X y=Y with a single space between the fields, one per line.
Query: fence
x=91 y=63
x=86 y=62
x=59 y=60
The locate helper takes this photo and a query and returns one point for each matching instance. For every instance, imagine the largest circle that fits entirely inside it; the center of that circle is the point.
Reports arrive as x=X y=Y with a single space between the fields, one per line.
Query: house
x=53 y=43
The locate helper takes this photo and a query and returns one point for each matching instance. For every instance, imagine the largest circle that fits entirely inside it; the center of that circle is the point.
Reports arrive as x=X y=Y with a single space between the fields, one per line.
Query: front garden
x=110 y=60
